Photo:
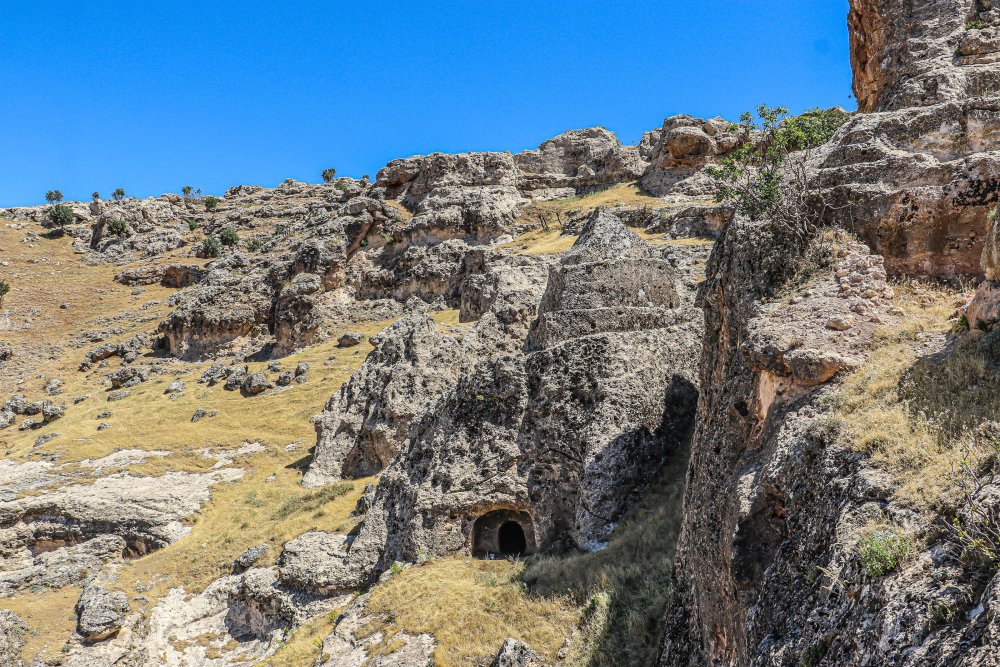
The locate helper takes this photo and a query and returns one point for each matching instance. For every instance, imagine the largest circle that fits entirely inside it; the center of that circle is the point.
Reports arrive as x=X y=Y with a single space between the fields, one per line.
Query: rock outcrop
x=560 y=440
x=916 y=175
x=365 y=424
x=767 y=569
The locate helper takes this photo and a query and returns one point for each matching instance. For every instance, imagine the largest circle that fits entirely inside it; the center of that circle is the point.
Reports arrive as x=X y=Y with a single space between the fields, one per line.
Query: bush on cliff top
x=758 y=176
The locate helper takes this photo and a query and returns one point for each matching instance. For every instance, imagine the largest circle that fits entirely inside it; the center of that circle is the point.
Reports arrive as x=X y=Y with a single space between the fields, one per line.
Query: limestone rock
x=12 y=632
x=619 y=402
x=514 y=653
x=349 y=339
x=100 y=612
x=256 y=383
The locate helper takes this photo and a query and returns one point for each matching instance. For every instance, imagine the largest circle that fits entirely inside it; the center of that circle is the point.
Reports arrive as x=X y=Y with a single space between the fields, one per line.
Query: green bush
x=61 y=215
x=211 y=247
x=4 y=290
x=229 y=237
x=752 y=175
x=95 y=195
x=977 y=24
x=280 y=230
x=192 y=225
x=341 y=185
x=881 y=551
x=53 y=196
x=211 y=203
x=118 y=194
x=117 y=227
x=186 y=191
x=329 y=175
x=255 y=244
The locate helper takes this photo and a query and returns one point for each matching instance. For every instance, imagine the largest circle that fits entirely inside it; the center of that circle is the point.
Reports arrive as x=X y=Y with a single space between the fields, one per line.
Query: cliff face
x=786 y=494
x=904 y=53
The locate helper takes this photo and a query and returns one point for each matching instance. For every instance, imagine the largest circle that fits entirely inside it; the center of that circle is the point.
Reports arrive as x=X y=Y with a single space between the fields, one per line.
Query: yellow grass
x=913 y=412
x=471 y=606
x=50 y=618
x=303 y=644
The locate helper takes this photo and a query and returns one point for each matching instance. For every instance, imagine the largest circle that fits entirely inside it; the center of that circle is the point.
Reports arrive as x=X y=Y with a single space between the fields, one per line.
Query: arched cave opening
x=511 y=540
x=503 y=532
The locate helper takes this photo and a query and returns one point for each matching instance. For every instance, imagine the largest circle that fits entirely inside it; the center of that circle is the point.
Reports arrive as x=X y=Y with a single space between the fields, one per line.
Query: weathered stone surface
x=68 y=566
x=514 y=653
x=619 y=403
x=685 y=147
x=100 y=612
x=147 y=512
x=12 y=632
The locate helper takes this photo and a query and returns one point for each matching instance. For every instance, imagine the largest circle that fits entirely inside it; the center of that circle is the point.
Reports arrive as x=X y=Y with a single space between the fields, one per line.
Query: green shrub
x=280 y=230
x=329 y=175
x=341 y=185
x=117 y=227
x=118 y=194
x=255 y=244
x=211 y=247
x=192 y=225
x=977 y=24
x=53 y=196
x=61 y=215
x=4 y=290
x=95 y=195
x=186 y=191
x=881 y=550
x=229 y=237
x=211 y=203
x=753 y=175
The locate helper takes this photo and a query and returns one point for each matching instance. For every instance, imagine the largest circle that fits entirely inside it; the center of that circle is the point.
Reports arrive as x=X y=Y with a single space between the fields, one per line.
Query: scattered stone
x=515 y=653
x=103 y=426
x=839 y=324
x=249 y=558
x=285 y=378
x=118 y=395
x=350 y=339
x=174 y=387
x=255 y=384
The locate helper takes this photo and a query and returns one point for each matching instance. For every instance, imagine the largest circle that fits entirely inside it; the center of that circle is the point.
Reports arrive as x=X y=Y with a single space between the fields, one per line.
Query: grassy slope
x=247 y=512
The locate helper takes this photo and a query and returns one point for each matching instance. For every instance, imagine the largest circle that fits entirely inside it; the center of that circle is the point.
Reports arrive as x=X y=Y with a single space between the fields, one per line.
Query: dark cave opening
x=511 y=539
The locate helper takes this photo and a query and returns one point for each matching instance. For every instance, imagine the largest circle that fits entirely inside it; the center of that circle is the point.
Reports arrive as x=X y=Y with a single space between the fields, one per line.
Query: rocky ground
x=465 y=414
x=164 y=499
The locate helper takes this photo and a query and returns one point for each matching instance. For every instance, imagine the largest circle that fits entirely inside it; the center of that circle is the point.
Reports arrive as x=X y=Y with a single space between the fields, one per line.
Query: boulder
x=100 y=613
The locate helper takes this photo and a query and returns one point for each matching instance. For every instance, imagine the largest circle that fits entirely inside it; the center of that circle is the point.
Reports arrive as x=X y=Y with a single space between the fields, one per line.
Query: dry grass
x=912 y=408
x=470 y=606
x=304 y=643
x=50 y=618
x=623 y=588
x=239 y=515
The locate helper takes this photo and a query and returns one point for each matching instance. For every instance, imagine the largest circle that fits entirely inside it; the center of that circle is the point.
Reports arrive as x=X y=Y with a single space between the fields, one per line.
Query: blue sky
x=151 y=96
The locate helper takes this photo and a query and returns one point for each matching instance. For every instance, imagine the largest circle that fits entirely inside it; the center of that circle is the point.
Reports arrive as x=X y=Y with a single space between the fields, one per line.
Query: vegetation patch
x=913 y=408
x=881 y=551
x=470 y=607
x=623 y=588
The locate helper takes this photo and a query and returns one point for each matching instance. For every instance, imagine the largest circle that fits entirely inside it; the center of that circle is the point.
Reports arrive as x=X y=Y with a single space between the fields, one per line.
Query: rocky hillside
x=559 y=407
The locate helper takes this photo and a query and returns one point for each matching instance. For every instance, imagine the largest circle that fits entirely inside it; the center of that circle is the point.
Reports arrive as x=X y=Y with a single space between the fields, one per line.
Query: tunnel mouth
x=503 y=533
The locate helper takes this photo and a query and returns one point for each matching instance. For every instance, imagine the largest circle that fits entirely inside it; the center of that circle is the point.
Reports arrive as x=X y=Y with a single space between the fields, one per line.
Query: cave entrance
x=503 y=533
x=511 y=540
